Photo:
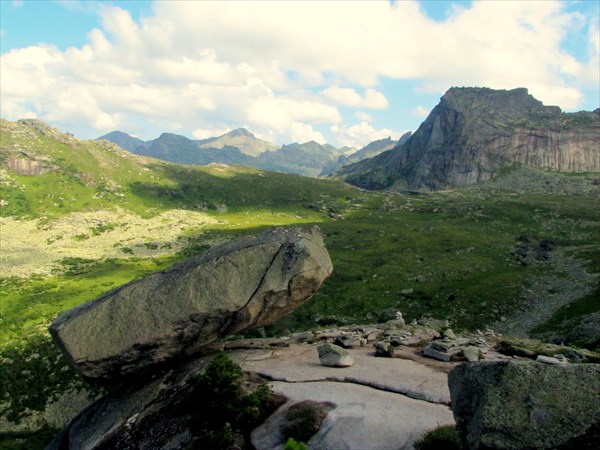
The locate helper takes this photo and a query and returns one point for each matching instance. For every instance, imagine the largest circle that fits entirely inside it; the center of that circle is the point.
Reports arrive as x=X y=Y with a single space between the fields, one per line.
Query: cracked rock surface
x=300 y=364
x=381 y=403
x=176 y=312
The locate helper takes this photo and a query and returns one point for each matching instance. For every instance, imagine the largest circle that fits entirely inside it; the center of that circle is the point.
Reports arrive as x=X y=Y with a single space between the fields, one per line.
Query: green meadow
x=479 y=257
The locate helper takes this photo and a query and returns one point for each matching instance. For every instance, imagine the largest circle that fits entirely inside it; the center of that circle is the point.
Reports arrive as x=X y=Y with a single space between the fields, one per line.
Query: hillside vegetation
x=81 y=217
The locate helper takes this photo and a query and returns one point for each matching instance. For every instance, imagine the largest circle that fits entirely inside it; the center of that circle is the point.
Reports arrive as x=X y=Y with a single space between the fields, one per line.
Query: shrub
x=292 y=444
x=304 y=419
x=440 y=438
x=220 y=405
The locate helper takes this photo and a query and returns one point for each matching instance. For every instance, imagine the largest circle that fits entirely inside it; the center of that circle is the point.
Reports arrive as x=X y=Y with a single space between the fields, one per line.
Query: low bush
x=292 y=444
x=222 y=410
x=304 y=419
x=440 y=438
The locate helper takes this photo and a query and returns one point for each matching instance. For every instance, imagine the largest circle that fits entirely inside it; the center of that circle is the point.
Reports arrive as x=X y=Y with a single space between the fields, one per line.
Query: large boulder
x=523 y=404
x=249 y=282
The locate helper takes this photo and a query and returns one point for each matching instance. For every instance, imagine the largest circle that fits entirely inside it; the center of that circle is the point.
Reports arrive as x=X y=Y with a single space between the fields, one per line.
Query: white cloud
x=362 y=133
x=17 y=3
x=200 y=133
x=363 y=117
x=302 y=132
x=291 y=66
x=349 y=97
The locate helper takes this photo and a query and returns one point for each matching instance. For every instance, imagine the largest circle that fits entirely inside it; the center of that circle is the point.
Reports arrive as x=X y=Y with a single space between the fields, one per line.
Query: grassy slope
x=453 y=249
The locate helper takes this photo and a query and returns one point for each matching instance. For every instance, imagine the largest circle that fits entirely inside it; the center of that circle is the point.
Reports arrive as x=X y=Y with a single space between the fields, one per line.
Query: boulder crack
x=405 y=391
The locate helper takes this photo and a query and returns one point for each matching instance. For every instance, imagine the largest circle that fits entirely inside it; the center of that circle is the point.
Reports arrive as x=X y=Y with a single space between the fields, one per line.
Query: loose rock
x=384 y=349
x=334 y=356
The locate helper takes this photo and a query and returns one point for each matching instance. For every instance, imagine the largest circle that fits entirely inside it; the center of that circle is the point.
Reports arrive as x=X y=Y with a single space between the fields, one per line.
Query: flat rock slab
x=300 y=363
x=174 y=313
x=364 y=418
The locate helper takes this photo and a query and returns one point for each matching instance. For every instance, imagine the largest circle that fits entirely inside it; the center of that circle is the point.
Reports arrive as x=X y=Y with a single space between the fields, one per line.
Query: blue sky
x=342 y=72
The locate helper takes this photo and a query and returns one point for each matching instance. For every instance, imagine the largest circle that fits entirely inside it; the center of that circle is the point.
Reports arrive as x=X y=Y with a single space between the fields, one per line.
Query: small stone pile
x=452 y=348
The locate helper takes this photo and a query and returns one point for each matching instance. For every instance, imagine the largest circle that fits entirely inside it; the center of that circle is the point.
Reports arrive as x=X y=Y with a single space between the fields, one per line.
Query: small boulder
x=332 y=355
x=445 y=349
x=471 y=353
x=347 y=341
x=525 y=404
x=448 y=334
x=433 y=352
x=384 y=349
x=550 y=360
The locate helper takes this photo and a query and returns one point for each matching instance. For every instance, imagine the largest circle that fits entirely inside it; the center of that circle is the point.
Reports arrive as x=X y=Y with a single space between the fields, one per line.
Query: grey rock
x=347 y=341
x=432 y=352
x=136 y=416
x=334 y=356
x=471 y=353
x=396 y=323
x=372 y=337
x=307 y=336
x=518 y=404
x=396 y=341
x=296 y=364
x=365 y=418
x=549 y=360
x=246 y=283
x=448 y=333
x=475 y=132
x=384 y=349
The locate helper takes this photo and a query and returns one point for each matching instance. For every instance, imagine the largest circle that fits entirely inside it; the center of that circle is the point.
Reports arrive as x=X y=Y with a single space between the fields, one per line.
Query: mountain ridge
x=237 y=147
x=475 y=132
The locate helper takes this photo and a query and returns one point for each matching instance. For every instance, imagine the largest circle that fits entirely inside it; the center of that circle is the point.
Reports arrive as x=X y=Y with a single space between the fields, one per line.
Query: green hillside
x=81 y=217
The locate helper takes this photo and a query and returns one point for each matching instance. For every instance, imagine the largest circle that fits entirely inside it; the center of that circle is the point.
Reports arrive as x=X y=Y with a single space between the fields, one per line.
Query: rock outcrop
x=517 y=405
x=474 y=133
x=247 y=283
x=150 y=415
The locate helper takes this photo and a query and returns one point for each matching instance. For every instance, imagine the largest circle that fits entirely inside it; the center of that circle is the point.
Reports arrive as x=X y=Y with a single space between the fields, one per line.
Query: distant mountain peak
x=239 y=132
x=473 y=133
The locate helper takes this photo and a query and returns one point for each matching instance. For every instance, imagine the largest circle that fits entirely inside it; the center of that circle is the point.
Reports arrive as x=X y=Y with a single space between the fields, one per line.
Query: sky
x=342 y=72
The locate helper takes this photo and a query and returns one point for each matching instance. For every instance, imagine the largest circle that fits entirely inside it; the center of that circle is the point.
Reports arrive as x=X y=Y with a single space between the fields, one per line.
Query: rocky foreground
x=377 y=386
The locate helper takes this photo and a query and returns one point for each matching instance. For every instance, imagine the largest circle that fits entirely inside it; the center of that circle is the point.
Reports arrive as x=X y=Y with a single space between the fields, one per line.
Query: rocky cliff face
x=473 y=133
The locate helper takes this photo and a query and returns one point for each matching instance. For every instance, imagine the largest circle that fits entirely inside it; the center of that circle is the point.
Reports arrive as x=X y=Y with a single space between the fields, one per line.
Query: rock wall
x=474 y=133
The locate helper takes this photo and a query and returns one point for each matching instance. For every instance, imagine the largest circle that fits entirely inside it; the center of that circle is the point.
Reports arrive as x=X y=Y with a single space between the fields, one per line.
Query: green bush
x=292 y=444
x=221 y=408
x=441 y=438
x=304 y=419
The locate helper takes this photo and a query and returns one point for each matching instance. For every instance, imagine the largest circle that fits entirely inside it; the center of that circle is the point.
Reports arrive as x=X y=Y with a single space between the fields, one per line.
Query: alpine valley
x=485 y=217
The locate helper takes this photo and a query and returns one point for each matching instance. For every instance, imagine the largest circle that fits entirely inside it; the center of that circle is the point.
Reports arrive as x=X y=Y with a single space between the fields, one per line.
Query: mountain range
x=469 y=137
x=517 y=253
x=241 y=147
x=474 y=133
